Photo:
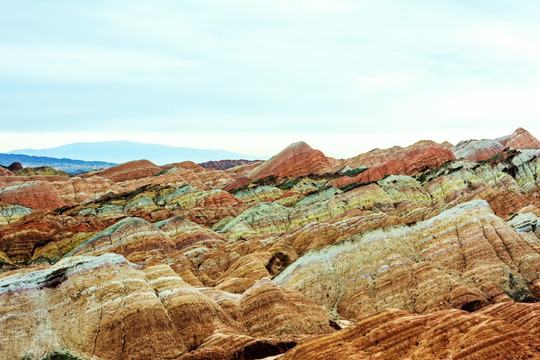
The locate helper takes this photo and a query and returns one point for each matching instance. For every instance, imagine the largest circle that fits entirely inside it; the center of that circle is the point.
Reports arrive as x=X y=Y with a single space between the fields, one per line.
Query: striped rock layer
x=397 y=253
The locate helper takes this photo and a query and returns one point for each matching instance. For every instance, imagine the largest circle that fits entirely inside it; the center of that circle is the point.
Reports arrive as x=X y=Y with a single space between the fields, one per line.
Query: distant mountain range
x=68 y=165
x=123 y=151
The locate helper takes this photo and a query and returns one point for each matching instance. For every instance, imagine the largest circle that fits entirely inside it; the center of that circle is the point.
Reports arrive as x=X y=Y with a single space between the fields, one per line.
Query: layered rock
x=377 y=157
x=431 y=157
x=12 y=212
x=464 y=258
x=451 y=334
x=40 y=171
x=296 y=160
x=521 y=139
x=477 y=150
x=64 y=190
x=33 y=195
x=42 y=236
x=131 y=170
x=403 y=254
x=134 y=313
x=5 y=172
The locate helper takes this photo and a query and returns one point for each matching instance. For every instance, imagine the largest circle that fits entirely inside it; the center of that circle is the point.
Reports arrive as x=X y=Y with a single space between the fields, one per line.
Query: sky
x=254 y=76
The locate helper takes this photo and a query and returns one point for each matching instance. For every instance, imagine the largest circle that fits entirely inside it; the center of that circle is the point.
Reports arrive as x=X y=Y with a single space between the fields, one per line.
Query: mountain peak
x=120 y=151
x=522 y=139
x=295 y=160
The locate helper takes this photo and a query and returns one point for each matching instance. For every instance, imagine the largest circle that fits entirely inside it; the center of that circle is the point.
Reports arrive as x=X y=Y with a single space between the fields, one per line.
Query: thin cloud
x=299 y=68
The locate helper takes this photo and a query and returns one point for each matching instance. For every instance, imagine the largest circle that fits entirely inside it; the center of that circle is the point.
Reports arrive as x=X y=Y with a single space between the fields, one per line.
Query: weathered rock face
x=43 y=236
x=297 y=159
x=451 y=334
x=131 y=170
x=65 y=190
x=421 y=160
x=415 y=255
x=421 y=268
x=379 y=156
x=32 y=195
x=5 y=172
x=12 y=212
x=134 y=313
x=477 y=150
x=522 y=139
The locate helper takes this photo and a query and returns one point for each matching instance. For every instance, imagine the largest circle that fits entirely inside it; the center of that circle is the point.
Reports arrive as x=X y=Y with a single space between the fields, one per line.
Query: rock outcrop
x=451 y=334
x=32 y=195
x=5 y=172
x=140 y=313
x=521 y=139
x=421 y=268
x=297 y=159
x=397 y=253
x=14 y=166
x=477 y=150
x=130 y=171
x=429 y=158
x=377 y=157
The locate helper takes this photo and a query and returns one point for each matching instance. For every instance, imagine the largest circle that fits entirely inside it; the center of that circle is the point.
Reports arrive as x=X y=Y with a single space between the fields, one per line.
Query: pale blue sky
x=253 y=76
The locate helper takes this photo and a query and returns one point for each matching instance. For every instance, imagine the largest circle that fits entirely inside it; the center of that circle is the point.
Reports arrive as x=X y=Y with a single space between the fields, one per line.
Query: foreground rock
x=464 y=258
x=108 y=308
x=396 y=253
x=451 y=334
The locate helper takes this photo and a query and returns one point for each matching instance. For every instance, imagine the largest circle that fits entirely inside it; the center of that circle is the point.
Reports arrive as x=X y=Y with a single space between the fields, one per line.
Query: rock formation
x=295 y=160
x=424 y=252
x=477 y=150
x=416 y=161
x=521 y=139
x=451 y=334
x=5 y=172
x=13 y=167
x=130 y=171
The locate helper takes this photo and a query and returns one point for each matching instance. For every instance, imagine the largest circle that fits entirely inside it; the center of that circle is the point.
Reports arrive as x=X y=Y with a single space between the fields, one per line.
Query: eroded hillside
x=425 y=252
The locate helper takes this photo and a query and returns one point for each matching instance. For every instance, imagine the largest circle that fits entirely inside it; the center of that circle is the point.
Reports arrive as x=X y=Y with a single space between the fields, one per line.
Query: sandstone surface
x=397 y=253
x=131 y=170
x=477 y=150
x=522 y=139
x=295 y=160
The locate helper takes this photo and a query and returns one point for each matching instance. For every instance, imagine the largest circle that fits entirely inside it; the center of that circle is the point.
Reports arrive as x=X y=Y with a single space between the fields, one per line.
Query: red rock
x=452 y=334
x=20 y=240
x=477 y=150
x=237 y=183
x=131 y=170
x=419 y=161
x=221 y=199
x=241 y=171
x=430 y=158
x=379 y=156
x=5 y=172
x=296 y=160
x=32 y=195
x=522 y=139
x=72 y=191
